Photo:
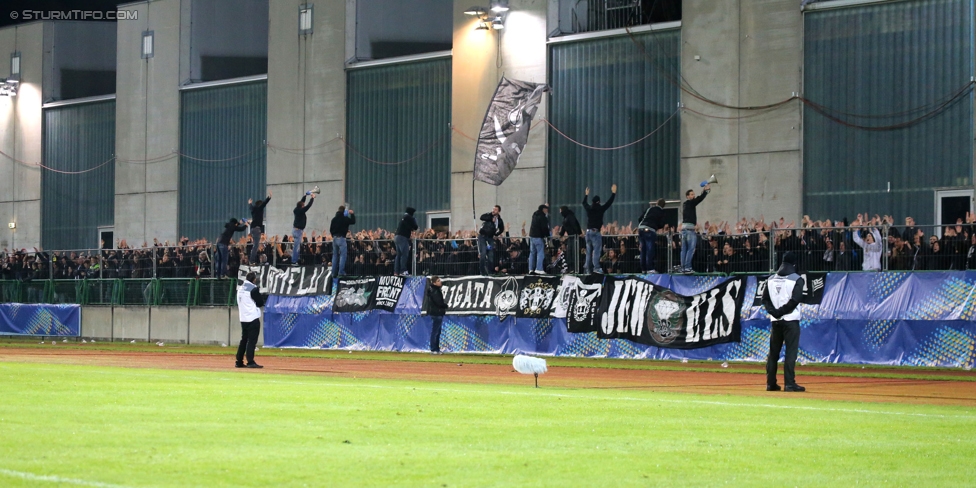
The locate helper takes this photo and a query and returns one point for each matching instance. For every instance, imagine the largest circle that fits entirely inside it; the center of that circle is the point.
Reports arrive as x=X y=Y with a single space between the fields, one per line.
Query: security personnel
x=249 y=303
x=436 y=309
x=782 y=296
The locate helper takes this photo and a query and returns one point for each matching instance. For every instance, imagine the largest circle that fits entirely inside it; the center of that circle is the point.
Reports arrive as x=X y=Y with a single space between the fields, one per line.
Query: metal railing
x=596 y=15
x=897 y=248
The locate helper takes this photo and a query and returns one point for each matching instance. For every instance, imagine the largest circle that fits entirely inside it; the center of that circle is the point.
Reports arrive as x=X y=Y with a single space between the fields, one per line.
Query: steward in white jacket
x=249 y=303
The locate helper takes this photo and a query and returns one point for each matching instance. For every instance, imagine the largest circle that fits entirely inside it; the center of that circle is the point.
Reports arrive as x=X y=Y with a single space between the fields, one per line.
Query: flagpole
x=474 y=218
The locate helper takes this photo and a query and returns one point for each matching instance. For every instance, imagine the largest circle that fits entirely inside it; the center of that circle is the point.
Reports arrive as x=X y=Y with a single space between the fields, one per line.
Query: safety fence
x=133 y=291
x=839 y=248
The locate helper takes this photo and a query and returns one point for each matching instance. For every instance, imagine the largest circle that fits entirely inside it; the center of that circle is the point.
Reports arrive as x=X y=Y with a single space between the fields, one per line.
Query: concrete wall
x=750 y=54
x=177 y=325
x=476 y=73
x=96 y=322
x=147 y=124
x=306 y=109
x=20 y=137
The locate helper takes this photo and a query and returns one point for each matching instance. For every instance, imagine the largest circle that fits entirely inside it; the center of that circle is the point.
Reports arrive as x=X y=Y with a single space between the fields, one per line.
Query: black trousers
x=787 y=331
x=249 y=339
x=435 y=332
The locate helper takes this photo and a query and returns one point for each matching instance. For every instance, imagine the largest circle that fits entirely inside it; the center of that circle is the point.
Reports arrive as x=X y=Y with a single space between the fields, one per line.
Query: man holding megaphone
x=689 y=219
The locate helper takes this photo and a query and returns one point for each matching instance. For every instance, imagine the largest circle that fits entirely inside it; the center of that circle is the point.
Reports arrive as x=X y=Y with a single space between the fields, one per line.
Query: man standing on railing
x=257 y=225
x=781 y=297
x=223 y=245
x=408 y=224
x=339 y=228
x=492 y=227
x=249 y=303
x=299 y=226
x=650 y=223
x=571 y=227
x=594 y=222
x=689 y=219
x=538 y=233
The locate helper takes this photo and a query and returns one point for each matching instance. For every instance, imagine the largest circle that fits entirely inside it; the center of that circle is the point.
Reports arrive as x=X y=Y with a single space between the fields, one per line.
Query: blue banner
x=919 y=319
x=40 y=320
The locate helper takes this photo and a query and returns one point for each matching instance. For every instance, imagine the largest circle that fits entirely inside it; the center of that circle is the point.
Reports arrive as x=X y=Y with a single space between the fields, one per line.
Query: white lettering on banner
x=467 y=296
x=453 y=296
x=606 y=324
x=708 y=304
x=728 y=309
x=487 y=295
x=691 y=319
x=638 y=316
x=628 y=319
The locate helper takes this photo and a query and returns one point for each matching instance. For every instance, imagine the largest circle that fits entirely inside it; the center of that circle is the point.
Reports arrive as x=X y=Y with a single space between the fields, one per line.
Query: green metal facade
x=608 y=93
x=399 y=136
x=223 y=156
x=78 y=189
x=893 y=64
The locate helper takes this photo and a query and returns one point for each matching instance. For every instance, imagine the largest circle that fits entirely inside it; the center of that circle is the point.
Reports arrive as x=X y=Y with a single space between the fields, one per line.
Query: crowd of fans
x=746 y=246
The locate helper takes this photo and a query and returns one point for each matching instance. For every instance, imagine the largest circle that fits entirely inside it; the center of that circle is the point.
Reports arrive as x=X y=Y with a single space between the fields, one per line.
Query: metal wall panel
x=223 y=157
x=607 y=93
x=398 y=114
x=77 y=138
x=889 y=64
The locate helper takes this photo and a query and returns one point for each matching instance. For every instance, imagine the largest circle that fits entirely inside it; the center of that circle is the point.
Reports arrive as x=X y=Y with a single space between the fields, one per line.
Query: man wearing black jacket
x=223 y=245
x=408 y=224
x=492 y=227
x=299 y=226
x=650 y=222
x=571 y=227
x=781 y=297
x=257 y=226
x=436 y=308
x=538 y=233
x=594 y=224
x=339 y=228
x=689 y=219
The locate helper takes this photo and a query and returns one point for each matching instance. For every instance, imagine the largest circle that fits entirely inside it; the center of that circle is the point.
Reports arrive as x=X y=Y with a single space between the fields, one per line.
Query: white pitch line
x=55 y=479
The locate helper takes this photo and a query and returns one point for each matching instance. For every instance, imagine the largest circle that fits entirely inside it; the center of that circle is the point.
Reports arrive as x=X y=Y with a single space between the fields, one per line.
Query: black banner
x=583 y=304
x=537 y=295
x=505 y=130
x=813 y=288
x=638 y=310
x=355 y=295
x=481 y=295
x=388 y=291
x=294 y=281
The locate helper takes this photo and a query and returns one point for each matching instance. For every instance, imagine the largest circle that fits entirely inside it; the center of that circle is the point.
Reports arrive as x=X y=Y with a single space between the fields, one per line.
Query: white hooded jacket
x=249 y=310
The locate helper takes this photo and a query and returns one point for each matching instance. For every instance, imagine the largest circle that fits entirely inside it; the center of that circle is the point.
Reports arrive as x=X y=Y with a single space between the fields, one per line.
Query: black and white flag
x=355 y=295
x=505 y=130
x=388 y=291
x=566 y=287
x=583 y=304
x=537 y=295
x=293 y=281
x=481 y=295
x=643 y=312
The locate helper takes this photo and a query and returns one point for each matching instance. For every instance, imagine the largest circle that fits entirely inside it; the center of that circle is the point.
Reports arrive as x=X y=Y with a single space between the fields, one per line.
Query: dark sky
x=15 y=8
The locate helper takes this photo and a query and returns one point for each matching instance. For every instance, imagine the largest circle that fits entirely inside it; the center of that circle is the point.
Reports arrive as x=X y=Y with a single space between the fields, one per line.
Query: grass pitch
x=98 y=426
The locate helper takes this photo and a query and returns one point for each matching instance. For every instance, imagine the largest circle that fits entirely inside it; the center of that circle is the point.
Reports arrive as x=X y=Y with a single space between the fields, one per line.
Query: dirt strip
x=849 y=388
